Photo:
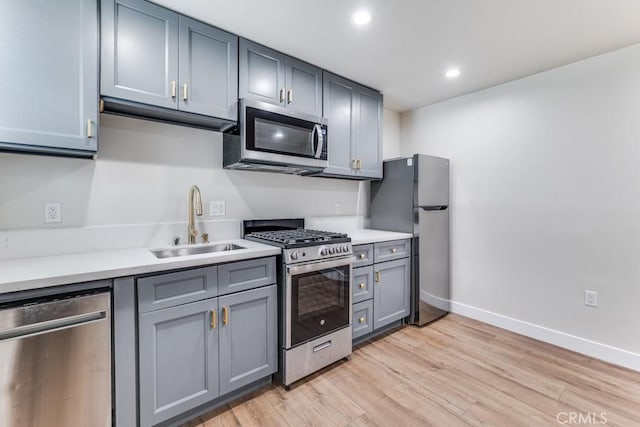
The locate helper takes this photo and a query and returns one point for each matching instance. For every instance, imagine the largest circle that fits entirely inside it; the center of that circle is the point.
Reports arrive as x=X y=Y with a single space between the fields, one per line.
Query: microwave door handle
x=318 y=129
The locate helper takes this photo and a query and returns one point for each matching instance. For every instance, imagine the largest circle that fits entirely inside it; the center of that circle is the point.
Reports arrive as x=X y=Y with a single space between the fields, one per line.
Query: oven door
x=318 y=299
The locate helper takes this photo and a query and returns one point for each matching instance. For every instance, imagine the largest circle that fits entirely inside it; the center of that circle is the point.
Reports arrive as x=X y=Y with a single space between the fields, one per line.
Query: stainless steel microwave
x=275 y=139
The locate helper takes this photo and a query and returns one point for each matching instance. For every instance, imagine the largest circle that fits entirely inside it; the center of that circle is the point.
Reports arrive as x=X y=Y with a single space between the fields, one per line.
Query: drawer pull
x=322 y=346
x=213 y=319
x=361 y=320
x=377 y=276
x=362 y=285
x=362 y=256
x=394 y=250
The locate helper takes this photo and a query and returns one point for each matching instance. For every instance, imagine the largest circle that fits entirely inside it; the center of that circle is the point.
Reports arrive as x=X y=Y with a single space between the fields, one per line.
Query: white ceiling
x=409 y=44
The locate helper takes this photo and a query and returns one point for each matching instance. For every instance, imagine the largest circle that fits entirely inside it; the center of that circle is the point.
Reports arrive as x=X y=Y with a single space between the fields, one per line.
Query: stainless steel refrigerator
x=413 y=198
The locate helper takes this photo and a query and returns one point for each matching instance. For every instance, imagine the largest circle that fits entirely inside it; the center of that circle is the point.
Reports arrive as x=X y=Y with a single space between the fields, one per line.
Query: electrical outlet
x=52 y=213
x=217 y=208
x=591 y=298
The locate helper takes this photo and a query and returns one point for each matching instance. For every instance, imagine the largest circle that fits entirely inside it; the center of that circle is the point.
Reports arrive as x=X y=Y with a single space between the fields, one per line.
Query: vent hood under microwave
x=271 y=138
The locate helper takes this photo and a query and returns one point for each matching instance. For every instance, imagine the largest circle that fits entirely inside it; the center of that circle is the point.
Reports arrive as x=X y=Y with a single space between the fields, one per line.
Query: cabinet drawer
x=363 y=255
x=362 y=283
x=395 y=249
x=362 y=322
x=245 y=275
x=171 y=289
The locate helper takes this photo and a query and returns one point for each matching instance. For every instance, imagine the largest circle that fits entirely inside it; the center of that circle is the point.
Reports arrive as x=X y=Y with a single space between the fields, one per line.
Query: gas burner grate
x=290 y=237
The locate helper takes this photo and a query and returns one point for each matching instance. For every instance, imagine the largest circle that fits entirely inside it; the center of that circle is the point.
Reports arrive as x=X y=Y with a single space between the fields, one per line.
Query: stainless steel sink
x=195 y=250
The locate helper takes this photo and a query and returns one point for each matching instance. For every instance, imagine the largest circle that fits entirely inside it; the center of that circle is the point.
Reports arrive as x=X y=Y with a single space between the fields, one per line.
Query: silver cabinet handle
x=317 y=129
x=290 y=96
x=282 y=95
x=89 y=128
x=173 y=89
x=185 y=92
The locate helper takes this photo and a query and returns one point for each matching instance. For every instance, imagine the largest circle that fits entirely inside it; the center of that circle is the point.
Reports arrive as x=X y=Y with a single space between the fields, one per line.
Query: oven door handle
x=293 y=270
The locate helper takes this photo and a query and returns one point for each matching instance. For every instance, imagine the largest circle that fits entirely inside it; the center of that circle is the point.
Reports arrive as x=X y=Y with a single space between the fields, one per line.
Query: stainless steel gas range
x=314 y=294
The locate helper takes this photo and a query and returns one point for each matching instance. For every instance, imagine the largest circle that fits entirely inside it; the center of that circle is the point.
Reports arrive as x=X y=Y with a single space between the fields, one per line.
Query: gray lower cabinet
x=355 y=131
x=391 y=291
x=381 y=285
x=270 y=76
x=203 y=333
x=154 y=56
x=178 y=360
x=248 y=338
x=48 y=77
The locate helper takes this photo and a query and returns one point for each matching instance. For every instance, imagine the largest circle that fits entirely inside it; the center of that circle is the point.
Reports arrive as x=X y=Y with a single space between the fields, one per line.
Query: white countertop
x=364 y=236
x=39 y=272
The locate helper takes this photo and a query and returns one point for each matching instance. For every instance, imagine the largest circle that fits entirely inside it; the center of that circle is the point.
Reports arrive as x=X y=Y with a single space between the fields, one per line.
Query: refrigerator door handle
x=434 y=208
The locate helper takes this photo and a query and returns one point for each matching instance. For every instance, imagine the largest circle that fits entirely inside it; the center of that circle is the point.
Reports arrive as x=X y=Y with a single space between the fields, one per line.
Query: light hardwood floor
x=454 y=372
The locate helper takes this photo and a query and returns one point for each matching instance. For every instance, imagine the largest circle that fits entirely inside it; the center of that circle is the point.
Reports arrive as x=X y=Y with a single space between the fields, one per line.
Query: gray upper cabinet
x=304 y=87
x=153 y=56
x=139 y=55
x=178 y=360
x=355 y=122
x=391 y=291
x=368 y=145
x=247 y=337
x=270 y=76
x=261 y=73
x=49 y=76
x=208 y=70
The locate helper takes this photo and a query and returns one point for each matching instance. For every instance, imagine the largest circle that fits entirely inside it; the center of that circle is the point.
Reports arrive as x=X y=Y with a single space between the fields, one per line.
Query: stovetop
x=299 y=244
x=298 y=238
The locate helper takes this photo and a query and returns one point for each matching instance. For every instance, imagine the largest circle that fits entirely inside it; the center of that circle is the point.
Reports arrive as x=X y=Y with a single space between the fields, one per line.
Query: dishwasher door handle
x=51 y=325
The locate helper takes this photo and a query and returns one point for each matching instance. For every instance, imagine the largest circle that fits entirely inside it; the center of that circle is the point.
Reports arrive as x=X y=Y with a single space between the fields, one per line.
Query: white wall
x=390 y=134
x=546 y=196
x=143 y=174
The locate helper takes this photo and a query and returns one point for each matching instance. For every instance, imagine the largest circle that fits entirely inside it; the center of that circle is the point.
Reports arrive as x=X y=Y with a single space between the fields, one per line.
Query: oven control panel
x=319 y=252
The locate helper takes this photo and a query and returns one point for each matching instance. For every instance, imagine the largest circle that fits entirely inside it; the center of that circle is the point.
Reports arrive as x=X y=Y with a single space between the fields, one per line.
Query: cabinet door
x=339 y=109
x=208 y=70
x=178 y=360
x=391 y=291
x=139 y=59
x=304 y=87
x=248 y=338
x=261 y=73
x=49 y=74
x=368 y=146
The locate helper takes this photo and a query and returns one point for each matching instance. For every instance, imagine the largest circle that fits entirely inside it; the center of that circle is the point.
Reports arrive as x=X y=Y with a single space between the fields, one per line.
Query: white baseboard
x=584 y=346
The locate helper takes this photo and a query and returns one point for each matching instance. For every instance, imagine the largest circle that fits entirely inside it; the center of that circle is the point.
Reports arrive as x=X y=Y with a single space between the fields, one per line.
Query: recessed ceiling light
x=452 y=73
x=362 y=17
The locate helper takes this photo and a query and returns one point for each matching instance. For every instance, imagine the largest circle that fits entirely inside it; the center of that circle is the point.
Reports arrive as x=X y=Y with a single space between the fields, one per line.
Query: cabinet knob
x=361 y=256
x=361 y=320
x=362 y=285
x=394 y=250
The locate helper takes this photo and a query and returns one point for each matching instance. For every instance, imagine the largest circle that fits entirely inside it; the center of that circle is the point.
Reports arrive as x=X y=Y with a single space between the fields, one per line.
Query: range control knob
x=332 y=251
x=294 y=255
x=345 y=248
x=323 y=251
x=338 y=249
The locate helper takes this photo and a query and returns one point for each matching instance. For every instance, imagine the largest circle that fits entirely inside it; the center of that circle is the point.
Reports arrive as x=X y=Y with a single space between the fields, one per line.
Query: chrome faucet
x=195 y=205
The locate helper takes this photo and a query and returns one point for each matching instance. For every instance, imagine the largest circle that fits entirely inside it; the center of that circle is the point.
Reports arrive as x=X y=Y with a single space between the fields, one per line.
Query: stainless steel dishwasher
x=55 y=362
